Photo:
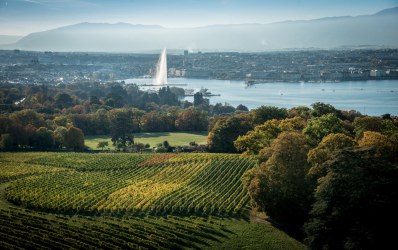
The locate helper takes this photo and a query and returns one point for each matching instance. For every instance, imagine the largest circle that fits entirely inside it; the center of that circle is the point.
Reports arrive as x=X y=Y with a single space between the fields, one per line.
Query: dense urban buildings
x=290 y=66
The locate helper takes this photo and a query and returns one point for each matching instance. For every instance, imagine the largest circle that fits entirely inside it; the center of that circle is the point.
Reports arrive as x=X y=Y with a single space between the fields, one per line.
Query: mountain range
x=379 y=29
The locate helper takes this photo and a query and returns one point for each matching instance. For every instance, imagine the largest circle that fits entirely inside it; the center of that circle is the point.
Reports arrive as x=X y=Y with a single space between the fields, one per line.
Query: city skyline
x=21 y=17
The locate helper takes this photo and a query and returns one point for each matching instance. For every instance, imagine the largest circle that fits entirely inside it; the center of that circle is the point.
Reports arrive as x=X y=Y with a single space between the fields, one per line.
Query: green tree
x=319 y=127
x=28 y=116
x=320 y=109
x=259 y=138
x=265 y=113
x=102 y=145
x=198 y=99
x=74 y=139
x=63 y=100
x=155 y=121
x=43 y=139
x=226 y=130
x=122 y=127
x=242 y=108
x=6 y=142
x=356 y=203
x=367 y=123
x=59 y=135
x=279 y=186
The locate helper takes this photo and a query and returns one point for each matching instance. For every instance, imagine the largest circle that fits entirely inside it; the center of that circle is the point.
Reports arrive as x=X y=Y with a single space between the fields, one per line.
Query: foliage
x=265 y=113
x=300 y=111
x=122 y=126
x=355 y=203
x=319 y=127
x=264 y=134
x=242 y=107
x=367 y=123
x=320 y=109
x=102 y=144
x=63 y=100
x=6 y=141
x=324 y=151
x=226 y=130
x=255 y=140
x=28 y=116
x=59 y=135
x=279 y=187
x=385 y=146
x=74 y=139
x=43 y=138
x=191 y=119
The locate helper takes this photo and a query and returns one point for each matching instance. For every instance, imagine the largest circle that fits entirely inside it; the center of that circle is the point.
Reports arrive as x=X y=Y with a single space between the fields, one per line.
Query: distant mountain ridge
x=378 y=29
x=5 y=39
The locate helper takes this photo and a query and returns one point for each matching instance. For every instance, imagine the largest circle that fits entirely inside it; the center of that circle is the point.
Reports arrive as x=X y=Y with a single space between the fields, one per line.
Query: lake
x=367 y=97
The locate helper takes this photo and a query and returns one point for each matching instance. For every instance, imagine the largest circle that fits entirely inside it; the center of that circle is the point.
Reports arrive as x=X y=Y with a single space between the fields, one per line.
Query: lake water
x=367 y=97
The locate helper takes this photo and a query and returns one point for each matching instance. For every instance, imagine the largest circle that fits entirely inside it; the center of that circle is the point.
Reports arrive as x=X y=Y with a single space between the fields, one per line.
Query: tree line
x=39 y=116
x=330 y=175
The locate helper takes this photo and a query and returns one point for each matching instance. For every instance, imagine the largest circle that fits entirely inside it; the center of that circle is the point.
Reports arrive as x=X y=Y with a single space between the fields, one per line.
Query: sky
x=21 y=17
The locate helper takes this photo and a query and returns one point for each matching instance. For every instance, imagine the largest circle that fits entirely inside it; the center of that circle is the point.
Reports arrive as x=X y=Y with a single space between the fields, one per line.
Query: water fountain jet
x=161 y=69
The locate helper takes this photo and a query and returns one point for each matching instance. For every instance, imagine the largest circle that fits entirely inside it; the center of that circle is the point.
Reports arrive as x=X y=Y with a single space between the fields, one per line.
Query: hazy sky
x=20 y=17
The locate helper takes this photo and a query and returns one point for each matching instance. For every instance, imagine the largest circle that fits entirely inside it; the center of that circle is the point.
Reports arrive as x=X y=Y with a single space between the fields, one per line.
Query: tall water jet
x=161 y=69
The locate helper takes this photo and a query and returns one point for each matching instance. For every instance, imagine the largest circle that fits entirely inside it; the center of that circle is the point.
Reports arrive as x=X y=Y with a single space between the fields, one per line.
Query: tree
x=242 y=108
x=59 y=135
x=6 y=142
x=319 y=109
x=155 y=121
x=63 y=100
x=356 y=203
x=43 y=139
x=264 y=134
x=292 y=124
x=300 y=111
x=102 y=144
x=385 y=146
x=191 y=119
x=265 y=113
x=28 y=116
x=367 y=123
x=279 y=187
x=329 y=145
x=136 y=147
x=121 y=127
x=198 y=99
x=74 y=139
x=319 y=127
x=253 y=141
x=226 y=130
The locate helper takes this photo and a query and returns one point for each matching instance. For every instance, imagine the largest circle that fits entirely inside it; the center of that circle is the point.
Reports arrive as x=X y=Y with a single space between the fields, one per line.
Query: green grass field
x=174 y=138
x=129 y=201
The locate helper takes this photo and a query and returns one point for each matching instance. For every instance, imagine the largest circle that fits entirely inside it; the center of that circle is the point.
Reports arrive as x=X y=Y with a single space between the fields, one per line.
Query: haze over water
x=367 y=97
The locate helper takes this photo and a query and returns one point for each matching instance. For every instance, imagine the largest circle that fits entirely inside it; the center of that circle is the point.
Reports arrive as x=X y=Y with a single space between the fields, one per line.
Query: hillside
x=44 y=206
x=331 y=32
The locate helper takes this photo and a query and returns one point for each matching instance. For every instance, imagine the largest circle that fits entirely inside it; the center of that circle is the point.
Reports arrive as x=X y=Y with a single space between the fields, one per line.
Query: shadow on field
x=152 y=135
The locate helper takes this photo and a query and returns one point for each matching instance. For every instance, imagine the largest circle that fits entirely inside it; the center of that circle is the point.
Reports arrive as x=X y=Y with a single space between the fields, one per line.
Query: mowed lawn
x=174 y=138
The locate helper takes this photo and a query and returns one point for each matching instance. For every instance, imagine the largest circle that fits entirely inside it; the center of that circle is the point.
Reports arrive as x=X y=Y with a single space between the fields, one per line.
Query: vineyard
x=134 y=184
x=129 y=201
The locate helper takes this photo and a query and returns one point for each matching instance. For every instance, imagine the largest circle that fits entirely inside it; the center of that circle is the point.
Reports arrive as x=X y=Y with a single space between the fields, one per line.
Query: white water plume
x=161 y=69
